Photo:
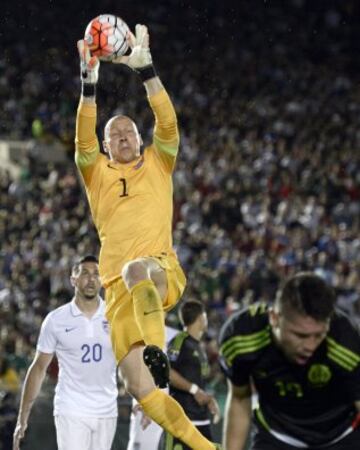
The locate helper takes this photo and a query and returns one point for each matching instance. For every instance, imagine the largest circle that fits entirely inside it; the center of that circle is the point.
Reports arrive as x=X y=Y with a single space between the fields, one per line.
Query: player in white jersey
x=145 y=434
x=85 y=401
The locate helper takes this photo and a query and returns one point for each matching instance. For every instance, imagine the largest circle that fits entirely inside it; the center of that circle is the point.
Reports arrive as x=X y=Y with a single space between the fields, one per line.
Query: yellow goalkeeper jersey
x=131 y=204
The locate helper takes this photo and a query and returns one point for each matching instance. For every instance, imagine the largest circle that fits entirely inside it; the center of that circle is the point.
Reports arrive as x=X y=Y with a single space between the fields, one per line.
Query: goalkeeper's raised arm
x=166 y=135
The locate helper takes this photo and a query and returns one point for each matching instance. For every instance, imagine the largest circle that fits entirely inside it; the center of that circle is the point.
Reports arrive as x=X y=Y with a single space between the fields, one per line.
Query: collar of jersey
x=127 y=166
x=75 y=311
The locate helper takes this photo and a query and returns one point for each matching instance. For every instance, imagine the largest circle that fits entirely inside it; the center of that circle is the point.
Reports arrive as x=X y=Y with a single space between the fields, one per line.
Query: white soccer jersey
x=87 y=367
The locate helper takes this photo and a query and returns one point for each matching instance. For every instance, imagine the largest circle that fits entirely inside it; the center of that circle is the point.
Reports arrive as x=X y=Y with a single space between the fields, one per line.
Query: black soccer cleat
x=158 y=364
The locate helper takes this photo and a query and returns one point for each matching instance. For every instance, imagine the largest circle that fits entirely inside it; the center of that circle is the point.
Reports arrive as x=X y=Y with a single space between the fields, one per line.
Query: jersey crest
x=106 y=327
x=319 y=375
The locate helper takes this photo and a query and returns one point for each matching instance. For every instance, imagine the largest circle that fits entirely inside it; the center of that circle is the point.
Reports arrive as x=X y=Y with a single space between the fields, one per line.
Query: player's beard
x=90 y=296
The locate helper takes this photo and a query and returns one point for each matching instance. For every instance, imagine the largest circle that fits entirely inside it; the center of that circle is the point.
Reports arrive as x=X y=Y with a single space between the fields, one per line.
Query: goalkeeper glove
x=140 y=59
x=89 y=65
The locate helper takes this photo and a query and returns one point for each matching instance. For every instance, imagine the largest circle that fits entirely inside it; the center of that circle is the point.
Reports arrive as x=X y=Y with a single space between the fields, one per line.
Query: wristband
x=146 y=72
x=193 y=389
x=88 y=89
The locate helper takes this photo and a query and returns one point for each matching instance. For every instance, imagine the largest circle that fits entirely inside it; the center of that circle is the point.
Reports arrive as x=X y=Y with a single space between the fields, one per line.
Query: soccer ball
x=106 y=37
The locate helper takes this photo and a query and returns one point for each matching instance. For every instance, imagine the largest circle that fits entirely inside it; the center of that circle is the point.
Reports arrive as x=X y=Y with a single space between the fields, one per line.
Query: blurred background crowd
x=268 y=178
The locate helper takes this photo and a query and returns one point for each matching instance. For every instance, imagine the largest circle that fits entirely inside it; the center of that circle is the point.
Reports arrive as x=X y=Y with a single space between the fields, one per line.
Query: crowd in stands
x=268 y=178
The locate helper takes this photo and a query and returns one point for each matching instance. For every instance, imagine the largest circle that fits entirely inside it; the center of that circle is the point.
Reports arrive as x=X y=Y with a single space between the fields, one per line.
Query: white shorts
x=85 y=433
x=140 y=439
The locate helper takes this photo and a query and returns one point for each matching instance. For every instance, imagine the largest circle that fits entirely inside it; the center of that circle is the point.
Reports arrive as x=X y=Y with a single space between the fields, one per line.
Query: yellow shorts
x=120 y=312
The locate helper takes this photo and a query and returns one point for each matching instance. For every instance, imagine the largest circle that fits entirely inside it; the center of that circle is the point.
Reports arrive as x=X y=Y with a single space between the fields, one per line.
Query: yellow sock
x=167 y=412
x=149 y=313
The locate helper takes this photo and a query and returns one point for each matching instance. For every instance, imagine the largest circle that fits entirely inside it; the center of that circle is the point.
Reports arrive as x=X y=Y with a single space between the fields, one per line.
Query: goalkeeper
x=130 y=196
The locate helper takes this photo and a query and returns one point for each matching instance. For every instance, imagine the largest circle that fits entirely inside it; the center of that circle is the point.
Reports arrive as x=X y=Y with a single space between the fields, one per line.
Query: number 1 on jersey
x=124 y=188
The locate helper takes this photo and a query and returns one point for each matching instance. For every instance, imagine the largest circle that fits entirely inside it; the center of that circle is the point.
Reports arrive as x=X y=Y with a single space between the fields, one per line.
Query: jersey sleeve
x=353 y=386
x=166 y=134
x=241 y=341
x=343 y=349
x=87 y=149
x=356 y=375
x=176 y=350
x=47 y=340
